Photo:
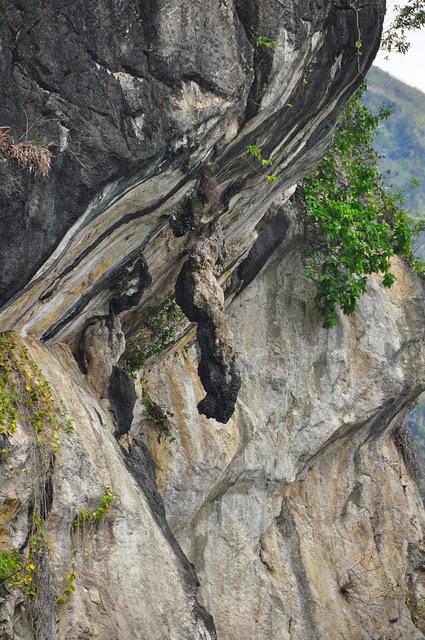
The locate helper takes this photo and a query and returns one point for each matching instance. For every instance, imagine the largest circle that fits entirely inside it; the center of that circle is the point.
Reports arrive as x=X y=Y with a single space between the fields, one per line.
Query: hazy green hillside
x=401 y=138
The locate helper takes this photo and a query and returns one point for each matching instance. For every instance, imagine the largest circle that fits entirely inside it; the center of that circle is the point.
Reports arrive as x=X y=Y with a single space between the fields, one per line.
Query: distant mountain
x=401 y=138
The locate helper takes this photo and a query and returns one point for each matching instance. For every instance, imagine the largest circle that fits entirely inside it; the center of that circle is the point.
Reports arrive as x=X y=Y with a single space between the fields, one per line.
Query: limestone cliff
x=248 y=484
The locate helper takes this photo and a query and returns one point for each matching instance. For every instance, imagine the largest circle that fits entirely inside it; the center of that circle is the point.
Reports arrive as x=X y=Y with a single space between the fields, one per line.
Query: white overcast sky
x=410 y=67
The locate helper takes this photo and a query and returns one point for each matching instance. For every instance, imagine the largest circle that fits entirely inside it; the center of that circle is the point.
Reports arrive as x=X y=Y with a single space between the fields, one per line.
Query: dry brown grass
x=30 y=155
x=5 y=142
x=34 y=157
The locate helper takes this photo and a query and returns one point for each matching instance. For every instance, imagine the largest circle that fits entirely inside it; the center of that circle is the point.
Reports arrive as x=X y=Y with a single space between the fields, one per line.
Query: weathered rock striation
x=253 y=489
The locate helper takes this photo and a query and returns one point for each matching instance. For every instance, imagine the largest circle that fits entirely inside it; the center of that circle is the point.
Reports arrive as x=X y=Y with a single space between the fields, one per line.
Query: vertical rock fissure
x=290 y=537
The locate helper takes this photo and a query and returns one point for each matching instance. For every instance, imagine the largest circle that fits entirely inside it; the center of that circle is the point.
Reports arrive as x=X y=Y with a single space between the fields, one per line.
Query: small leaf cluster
x=309 y=70
x=96 y=515
x=253 y=150
x=157 y=333
x=69 y=587
x=266 y=42
x=353 y=225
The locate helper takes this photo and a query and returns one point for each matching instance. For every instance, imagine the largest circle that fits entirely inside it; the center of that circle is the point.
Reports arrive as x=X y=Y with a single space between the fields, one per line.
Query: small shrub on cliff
x=266 y=42
x=256 y=152
x=353 y=224
x=156 y=334
x=30 y=155
x=157 y=417
x=34 y=157
x=93 y=517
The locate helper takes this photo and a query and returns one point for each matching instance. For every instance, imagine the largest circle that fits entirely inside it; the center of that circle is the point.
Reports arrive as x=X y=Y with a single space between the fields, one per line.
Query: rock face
x=283 y=510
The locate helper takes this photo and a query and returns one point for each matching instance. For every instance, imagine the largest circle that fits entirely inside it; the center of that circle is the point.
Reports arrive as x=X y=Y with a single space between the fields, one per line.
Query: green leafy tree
x=353 y=225
x=409 y=17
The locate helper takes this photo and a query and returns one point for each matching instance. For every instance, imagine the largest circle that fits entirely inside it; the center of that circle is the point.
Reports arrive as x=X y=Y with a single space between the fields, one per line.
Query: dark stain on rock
x=123 y=396
x=130 y=281
x=267 y=242
x=185 y=218
x=222 y=383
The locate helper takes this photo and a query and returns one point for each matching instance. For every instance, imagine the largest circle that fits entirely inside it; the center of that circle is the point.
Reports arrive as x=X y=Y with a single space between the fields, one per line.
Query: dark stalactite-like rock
x=202 y=300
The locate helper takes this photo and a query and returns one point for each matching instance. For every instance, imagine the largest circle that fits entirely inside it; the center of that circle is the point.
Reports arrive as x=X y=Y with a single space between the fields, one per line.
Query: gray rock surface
x=296 y=518
x=136 y=100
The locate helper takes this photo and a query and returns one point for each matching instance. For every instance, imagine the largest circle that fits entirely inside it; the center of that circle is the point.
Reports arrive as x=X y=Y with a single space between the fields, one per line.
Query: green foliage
x=95 y=516
x=157 y=334
x=15 y=573
x=69 y=587
x=157 y=417
x=353 y=226
x=85 y=524
x=416 y=606
x=18 y=571
x=26 y=395
x=309 y=70
x=409 y=17
x=266 y=42
x=253 y=150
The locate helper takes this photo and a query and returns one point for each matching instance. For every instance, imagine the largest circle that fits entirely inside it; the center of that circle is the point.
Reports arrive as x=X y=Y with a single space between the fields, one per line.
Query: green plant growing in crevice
x=255 y=152
x=309 y=70
x=352 y=224
x=69 y=587
x=94 y=516
x=416 y=606
x=156 y=334
x=27 y=399
x=263 y=41
x=358 y=43
x=157 y=417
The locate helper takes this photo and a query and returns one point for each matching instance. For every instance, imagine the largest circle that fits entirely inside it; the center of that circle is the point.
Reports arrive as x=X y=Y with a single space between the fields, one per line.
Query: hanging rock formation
x=281 y=509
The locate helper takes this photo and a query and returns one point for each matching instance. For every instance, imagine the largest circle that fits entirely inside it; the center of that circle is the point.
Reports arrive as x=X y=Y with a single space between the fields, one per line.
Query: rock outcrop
x=281 y=509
